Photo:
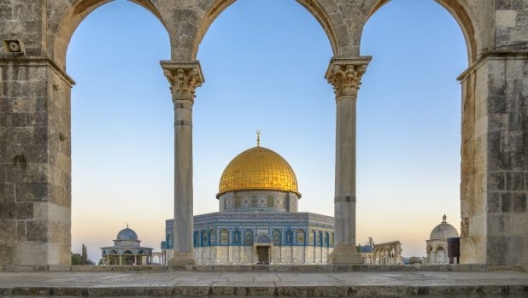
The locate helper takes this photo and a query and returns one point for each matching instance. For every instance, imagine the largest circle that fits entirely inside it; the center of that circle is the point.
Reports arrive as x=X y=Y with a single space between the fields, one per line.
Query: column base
x=345 y=255
x=182 y=259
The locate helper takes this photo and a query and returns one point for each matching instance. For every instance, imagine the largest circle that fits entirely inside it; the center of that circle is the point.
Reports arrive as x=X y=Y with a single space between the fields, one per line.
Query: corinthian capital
x=345 y=75
x=184 y=78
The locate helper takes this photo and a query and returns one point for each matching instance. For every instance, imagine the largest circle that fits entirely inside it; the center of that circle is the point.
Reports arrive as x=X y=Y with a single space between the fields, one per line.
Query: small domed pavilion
x=127 y=250
x=437 y=243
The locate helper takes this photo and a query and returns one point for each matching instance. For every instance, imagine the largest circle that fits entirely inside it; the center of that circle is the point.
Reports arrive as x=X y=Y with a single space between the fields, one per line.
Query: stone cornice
x=345 y=75
x=492 y=55
x=184 y=78
x=39 y=62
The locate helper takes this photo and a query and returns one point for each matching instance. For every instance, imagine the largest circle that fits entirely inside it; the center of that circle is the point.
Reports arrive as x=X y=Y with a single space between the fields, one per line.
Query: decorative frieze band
x=184 y=78
x=345 y=75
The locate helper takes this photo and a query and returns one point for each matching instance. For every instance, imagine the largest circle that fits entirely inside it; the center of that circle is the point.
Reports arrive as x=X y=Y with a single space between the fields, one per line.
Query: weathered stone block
x=519 y=202
x=493 y=202
x=7 y=231
x=7 y=251
x=8 y=210
x=515 y=181
x=497 y=181
x=497 y=249
x=37 y=231
x=506 y=202
x=24 y=211
x=21 y=231
x=509 y=5
x=31 y=191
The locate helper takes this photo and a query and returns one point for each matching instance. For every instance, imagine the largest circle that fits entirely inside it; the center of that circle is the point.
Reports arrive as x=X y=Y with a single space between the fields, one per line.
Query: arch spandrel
x=66 y=15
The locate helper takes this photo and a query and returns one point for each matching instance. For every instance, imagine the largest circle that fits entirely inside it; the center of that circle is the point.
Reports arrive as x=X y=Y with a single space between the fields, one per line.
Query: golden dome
x=258 y=168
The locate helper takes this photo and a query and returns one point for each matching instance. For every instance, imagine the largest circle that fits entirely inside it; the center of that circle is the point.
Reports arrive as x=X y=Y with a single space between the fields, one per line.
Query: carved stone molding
x=345 y=75
x=184 y=78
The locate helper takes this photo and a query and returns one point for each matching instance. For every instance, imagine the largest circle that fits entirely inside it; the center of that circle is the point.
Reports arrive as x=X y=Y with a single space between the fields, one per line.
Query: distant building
x=436 y=246
x=388 y=253
x=127 y=250
x=258 y=220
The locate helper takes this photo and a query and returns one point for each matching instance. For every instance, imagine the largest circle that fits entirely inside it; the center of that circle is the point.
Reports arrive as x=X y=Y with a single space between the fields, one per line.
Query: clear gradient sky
x=264 y=63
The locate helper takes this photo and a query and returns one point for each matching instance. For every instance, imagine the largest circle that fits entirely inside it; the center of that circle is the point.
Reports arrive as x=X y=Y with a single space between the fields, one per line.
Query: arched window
x=236 y=237
x=196 y=239
x=289 y=236
x=320 y=238
x=224 y=237
x=300 y=237
x=248 y=239
x=169 y=240
x=327 y=239
x=313 y=238
x=277 y=237
x=204 y=239
x=212 y=238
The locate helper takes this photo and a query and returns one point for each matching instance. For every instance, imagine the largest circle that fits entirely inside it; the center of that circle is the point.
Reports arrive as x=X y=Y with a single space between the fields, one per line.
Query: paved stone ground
x=297 y=284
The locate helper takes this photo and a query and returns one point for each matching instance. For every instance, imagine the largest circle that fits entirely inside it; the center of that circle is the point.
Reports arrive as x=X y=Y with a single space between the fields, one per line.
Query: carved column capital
x=345 y=75
x=184 y=78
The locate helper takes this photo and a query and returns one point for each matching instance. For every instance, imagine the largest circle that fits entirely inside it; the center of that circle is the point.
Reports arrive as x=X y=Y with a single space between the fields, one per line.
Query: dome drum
x=258 y=200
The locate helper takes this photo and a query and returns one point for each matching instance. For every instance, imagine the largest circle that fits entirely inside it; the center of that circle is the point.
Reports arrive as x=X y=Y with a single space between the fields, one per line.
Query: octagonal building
x=258 y=220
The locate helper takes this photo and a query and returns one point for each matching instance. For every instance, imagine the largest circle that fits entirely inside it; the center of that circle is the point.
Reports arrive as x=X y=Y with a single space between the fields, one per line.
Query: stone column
x=345 y=76
x=184 y=78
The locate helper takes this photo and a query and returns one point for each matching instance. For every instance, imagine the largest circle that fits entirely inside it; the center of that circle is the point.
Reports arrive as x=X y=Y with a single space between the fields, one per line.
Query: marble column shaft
x=345 y=76
x=184 y=78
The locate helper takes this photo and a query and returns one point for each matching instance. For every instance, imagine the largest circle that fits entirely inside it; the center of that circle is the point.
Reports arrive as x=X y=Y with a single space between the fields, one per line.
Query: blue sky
x=264 y=63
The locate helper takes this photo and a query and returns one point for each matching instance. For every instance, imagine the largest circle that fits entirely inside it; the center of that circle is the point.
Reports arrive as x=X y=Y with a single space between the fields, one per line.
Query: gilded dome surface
x=443 y=230
x=258 y=168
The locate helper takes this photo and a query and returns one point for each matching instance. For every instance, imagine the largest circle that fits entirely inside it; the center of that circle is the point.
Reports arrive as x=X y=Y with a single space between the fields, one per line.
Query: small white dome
x=443 y=231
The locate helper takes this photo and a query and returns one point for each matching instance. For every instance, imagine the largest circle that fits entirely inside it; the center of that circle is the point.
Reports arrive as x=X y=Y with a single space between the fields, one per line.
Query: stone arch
x=458 y=9
x=263 y=239
x=315 y=7
x=72 y=17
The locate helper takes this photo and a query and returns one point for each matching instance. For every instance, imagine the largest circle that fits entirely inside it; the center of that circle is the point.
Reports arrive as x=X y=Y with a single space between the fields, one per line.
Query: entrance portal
x=263 y=253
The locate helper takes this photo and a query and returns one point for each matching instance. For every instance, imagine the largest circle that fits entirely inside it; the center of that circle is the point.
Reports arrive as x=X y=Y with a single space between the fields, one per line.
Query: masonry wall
x=247 y=255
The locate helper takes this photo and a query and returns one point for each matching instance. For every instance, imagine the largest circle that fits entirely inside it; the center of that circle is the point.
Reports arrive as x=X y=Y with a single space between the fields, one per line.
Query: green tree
x=76 y=259
x=81 y=259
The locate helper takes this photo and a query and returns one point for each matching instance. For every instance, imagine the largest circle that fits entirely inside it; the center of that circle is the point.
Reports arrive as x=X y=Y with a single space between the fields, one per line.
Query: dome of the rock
x=258 y=168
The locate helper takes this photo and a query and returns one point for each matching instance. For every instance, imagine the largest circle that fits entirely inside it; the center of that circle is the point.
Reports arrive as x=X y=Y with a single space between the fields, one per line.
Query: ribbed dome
x=127 y=234
x=258 y=168
x=443 y=230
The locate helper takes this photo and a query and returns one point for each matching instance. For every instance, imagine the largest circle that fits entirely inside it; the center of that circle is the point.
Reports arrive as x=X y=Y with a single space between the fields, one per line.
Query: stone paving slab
x=265 y=284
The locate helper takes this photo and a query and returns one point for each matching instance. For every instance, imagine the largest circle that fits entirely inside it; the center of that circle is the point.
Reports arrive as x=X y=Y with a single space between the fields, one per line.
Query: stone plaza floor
x=297 y=282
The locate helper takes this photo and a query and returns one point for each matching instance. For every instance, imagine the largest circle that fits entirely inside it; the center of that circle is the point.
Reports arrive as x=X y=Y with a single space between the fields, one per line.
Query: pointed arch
x=313 y=6
x=72 y=16
x=459 y=10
